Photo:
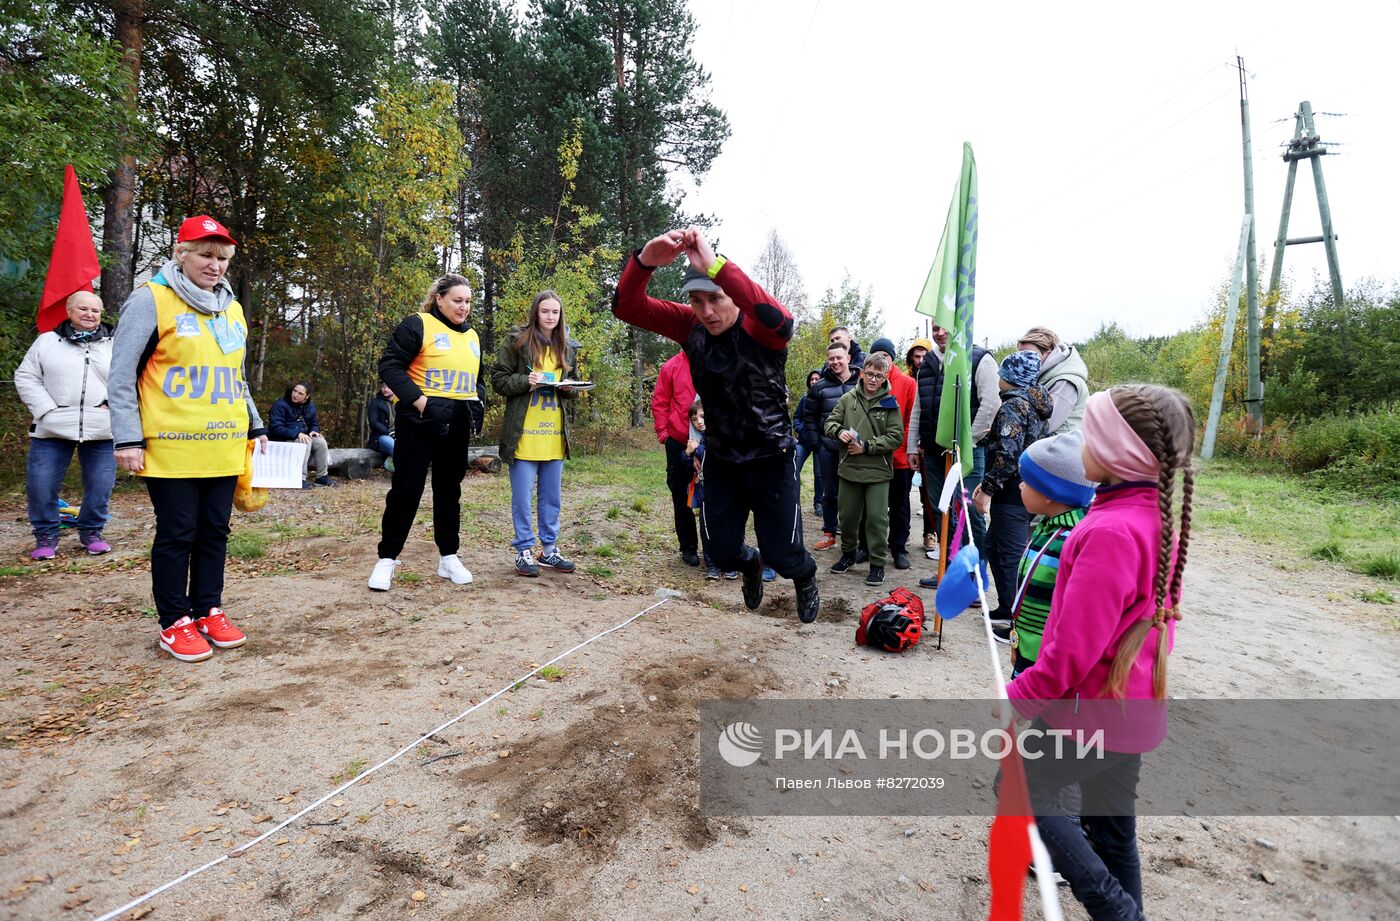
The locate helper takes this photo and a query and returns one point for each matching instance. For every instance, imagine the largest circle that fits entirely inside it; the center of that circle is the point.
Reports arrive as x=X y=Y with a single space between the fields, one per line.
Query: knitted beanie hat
x=1020 y=369
x=882 y=345
x=1054 y=468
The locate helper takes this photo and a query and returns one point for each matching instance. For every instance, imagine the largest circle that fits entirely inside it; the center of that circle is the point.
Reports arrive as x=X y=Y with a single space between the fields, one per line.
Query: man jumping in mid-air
x=736 y=337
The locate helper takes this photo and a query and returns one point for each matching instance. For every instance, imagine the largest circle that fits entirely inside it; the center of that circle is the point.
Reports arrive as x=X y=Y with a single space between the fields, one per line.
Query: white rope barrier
x=1044 y=869
x=238 y=851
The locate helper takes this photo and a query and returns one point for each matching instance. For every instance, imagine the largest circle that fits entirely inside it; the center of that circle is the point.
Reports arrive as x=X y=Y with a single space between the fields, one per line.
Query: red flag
x=1009 y=852
x=73 y=265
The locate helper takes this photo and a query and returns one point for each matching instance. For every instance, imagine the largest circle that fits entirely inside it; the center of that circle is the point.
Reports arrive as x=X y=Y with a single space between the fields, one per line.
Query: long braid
x=1183 y=541
x=1163 y=419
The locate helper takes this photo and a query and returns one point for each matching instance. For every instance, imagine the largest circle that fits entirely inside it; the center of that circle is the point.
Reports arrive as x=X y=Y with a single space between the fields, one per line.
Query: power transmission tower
x=1254 y=391
x=1306 y=145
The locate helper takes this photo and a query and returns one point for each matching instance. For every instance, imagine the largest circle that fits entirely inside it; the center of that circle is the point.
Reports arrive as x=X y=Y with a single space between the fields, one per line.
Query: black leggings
x=191 y=542
x=419 y=445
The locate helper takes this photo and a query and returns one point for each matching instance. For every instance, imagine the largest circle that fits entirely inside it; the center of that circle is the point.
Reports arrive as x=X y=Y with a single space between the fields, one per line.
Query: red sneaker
x=183 y=642
x=219 y=631
x=826 y=543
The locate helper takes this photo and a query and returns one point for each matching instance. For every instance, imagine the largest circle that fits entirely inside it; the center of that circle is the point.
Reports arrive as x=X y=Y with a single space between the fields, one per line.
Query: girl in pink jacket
x=1103 y=658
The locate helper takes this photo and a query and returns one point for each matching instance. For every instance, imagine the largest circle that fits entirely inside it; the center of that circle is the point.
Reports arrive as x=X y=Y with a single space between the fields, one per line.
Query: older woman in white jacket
x=63 y=382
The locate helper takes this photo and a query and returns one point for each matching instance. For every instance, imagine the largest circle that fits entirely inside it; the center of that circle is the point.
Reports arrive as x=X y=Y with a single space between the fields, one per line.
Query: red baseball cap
x=203 y=227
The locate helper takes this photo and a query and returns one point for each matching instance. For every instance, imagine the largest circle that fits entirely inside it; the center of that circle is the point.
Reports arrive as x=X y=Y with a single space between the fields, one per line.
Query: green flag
x=948 y=297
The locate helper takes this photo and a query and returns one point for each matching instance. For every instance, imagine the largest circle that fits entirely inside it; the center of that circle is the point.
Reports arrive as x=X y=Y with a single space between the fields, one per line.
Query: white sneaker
x=449 y=567
x=383 y=574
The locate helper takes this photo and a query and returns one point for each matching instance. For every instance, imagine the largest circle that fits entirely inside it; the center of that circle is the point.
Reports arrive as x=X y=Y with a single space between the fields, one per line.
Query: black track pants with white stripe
x=768 y=489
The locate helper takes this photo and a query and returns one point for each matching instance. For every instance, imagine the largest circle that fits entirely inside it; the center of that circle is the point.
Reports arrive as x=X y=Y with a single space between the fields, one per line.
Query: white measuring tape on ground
x=238 y=851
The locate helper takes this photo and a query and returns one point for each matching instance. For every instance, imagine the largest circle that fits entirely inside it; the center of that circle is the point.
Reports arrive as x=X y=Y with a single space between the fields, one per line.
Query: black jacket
x=929 y=390
x=288 y=420
x=821 y=400
x=404 y=344
x=380 y=414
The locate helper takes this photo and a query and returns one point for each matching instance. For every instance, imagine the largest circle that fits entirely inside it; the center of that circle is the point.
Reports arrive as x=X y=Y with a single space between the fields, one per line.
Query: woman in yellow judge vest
x=535 y=431
x=182 y=417
x=431 y=363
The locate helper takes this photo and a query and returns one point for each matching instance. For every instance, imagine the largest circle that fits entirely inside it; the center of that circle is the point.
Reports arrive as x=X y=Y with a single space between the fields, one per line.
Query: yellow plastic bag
x=246 y=497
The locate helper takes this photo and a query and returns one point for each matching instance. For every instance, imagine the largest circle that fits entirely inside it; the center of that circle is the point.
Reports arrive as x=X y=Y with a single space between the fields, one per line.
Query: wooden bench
x=356 y=463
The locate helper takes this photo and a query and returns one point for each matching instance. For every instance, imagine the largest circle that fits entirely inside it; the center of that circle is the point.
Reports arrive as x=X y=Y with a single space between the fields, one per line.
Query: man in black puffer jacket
x=837 y=380
x=735 y=335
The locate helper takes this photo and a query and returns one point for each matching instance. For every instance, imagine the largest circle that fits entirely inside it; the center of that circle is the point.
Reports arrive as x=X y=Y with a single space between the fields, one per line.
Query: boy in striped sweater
x=1054 y=487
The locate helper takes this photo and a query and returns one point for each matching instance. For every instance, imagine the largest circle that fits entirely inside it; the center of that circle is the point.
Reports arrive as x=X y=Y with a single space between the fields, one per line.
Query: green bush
x=1354 y=452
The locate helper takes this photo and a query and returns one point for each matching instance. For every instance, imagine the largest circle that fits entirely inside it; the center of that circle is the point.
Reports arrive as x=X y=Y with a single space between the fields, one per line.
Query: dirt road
x=573 y=796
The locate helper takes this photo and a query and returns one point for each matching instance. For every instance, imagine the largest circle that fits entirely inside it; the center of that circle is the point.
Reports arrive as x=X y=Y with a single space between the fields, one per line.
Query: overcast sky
x=1107 y=142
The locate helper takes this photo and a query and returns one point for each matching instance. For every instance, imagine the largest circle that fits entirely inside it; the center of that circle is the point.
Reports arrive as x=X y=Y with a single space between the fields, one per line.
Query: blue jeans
x=384 y=444
x=1097 y=853
x=804 y=452
x=933 y=481
x=528 y=479
x=48 y=465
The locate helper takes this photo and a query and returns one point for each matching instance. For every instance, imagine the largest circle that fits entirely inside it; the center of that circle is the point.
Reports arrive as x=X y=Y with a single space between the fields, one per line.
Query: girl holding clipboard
x=535 y=429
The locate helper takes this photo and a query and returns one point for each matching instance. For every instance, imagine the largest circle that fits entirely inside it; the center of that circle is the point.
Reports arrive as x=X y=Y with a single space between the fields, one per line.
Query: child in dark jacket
x=1021 y=420
x=695 y=454
x=1054 y=487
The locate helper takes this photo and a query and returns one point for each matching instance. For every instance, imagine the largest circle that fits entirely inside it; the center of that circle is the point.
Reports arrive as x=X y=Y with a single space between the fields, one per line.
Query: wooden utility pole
x=1227 y=342
x=1306 y=145
x=1254 y=391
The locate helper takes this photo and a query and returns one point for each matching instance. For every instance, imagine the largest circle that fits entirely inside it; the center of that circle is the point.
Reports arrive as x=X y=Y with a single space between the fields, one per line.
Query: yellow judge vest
x=448 y=363
x=194 y=412
x=542 y=436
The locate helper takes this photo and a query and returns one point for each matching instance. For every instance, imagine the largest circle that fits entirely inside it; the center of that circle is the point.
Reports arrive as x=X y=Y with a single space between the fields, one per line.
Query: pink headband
x=1114 y=444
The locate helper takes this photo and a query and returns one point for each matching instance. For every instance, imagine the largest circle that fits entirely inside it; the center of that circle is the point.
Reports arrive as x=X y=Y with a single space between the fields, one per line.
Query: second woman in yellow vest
x=431 y=363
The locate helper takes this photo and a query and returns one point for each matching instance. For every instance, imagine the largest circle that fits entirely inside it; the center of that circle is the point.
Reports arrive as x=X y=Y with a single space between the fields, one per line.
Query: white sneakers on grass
x=449 y=567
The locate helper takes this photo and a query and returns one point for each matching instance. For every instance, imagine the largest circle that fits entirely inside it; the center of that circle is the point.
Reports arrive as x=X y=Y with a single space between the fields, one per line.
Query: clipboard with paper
x=281 y=466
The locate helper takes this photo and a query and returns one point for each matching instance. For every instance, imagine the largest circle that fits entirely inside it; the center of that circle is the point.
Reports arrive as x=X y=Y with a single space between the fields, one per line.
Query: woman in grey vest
x=1063 y=373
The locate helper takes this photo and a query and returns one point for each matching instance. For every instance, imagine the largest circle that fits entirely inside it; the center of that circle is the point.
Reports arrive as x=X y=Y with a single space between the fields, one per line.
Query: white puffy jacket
x=64 y=385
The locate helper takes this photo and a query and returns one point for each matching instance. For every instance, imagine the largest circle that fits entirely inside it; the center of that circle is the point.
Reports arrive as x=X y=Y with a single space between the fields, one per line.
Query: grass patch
x=612 y=513
x=247 y=545
x=1379 y=596
x=14 y=571
x=640 y=505
x=410 y=578
x=1382 y=566
x=552 y=673
x=349 y=772
x=605 y=551
x=1329 y=550
x=1266 y=504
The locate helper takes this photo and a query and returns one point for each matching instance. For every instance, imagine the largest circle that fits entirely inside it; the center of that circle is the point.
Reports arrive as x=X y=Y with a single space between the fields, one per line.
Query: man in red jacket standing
x=670 y=413
x=735 y=336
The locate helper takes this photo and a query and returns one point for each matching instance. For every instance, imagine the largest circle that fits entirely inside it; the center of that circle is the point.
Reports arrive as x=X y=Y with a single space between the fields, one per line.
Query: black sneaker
x=711 y=573
x=1002 y=633
x=901 y=560
x=929 y=582
x=846 y=562
x=876 y=576
x=808 y=600
x=690 y=558
x=862 y=555
x=753 y=589
x=556 y=562
x=324 y=481
x=525 y=564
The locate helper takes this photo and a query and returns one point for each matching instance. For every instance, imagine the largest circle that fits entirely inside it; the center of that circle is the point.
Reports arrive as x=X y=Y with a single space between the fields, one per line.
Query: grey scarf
x=209 y=302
